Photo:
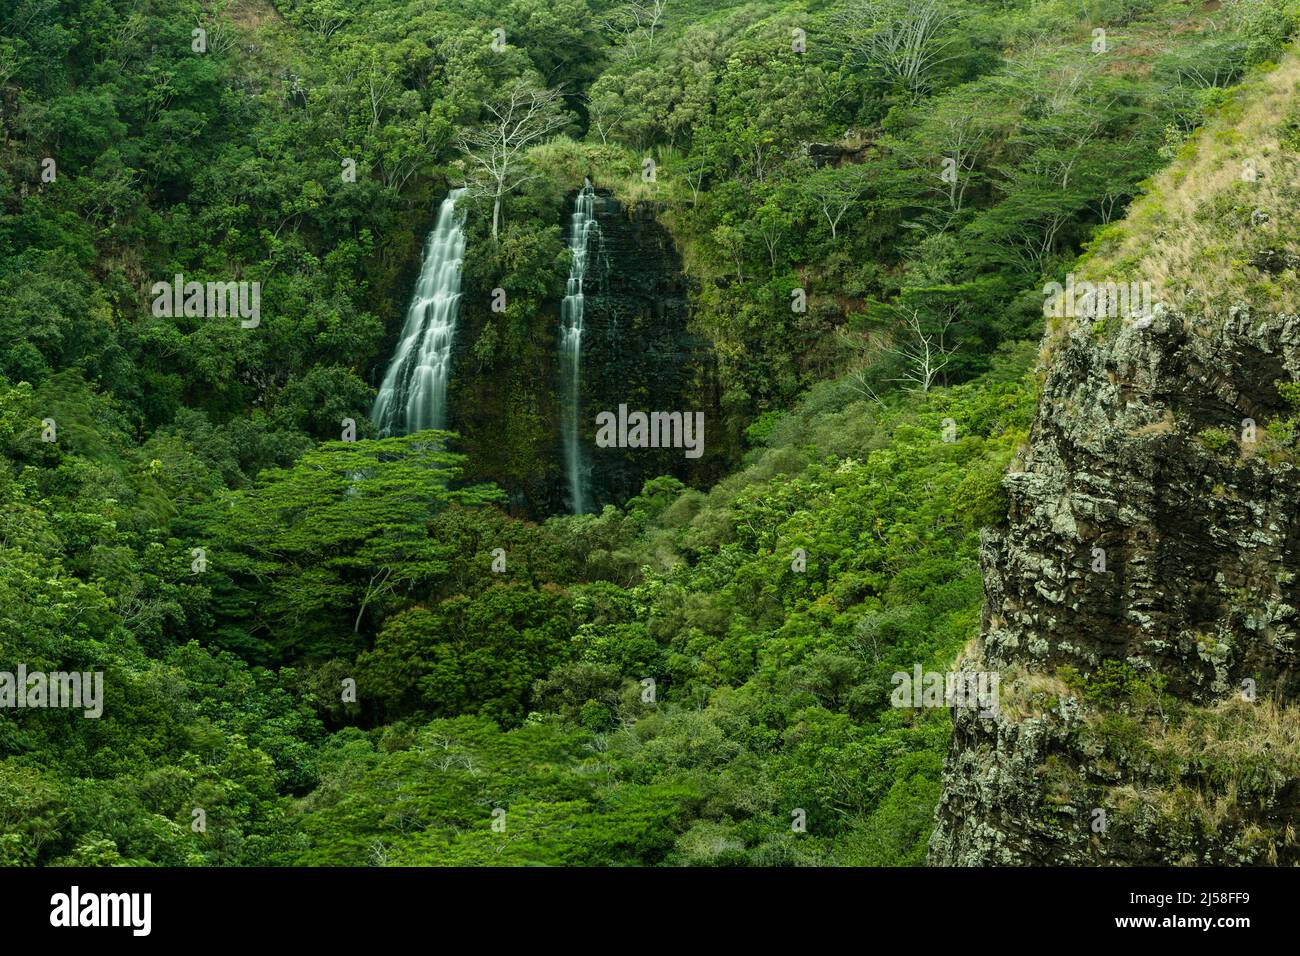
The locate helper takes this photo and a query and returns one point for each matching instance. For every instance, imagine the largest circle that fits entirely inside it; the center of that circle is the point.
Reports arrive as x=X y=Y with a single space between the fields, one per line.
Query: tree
x=731 y=241
x=561 y=38
x=603 y=115
x=694 y=175
x=965 y=138
x=904 y=40
x=834 y=192
x=635 y=20
x=34 y=811
x=923 y=349
x=312 y=548
x=771 y=224
x=524 y=117
x=325 y=18
x=869 y=348
x=479 y=654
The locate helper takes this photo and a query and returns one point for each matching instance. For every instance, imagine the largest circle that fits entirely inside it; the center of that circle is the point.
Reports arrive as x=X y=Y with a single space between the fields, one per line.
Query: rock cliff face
x=1138 y=458
x=1143 y=532
x=1141 y=605
x=637 y=350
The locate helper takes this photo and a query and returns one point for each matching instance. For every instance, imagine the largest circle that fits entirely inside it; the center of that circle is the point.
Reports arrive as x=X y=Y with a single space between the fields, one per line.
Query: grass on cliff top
x=1220 y=770
x=1216 y=770
x=1195 y=233
x=1233 y=744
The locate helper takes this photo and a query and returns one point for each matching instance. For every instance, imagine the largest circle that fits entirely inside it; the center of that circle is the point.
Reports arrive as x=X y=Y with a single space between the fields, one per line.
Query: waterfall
x=413 y=395
x=582 y=228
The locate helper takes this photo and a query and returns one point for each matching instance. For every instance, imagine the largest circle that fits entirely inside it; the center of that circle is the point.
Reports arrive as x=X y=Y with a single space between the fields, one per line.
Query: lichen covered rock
x=1152 y=544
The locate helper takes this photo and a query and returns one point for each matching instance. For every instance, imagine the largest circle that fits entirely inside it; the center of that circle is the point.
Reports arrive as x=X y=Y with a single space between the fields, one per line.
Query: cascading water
x=413 y=395
x=583 y=228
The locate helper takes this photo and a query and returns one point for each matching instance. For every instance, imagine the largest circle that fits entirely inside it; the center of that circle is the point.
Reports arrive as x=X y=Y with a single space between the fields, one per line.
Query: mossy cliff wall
x=637 y=350
x=1141 y=601
x=1124 y=688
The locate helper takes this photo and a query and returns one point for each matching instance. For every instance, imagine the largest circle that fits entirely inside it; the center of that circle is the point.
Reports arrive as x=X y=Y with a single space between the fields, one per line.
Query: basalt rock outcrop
x=1141 y=600
x=1153 y=542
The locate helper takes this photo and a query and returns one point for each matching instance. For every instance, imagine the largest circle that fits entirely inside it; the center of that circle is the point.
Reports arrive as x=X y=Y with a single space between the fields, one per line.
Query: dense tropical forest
x=327 y=640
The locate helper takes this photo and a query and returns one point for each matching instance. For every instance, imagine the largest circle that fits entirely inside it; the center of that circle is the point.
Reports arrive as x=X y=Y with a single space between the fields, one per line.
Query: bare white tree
x=625 y=30
x=955 y=140
x=396 y=170
x=965 y=138
x=524 y=117
x=771 y=231
x=1069 y=131
x=695 y=179
x=652 y=11
x=325 y=20
x=603 y=116
x=869 y=348
x=379 y=87
x=925 y=354
x=904 y=40
x=835 y=191
x=220 y=36
x=858 y=381
x=634 y=22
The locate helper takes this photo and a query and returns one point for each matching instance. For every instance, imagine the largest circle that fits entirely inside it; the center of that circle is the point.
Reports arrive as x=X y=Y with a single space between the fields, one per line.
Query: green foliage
x=476 y=654
x=1113 y=683
x=331 y=539
x=663 y=683
x=1215 y=439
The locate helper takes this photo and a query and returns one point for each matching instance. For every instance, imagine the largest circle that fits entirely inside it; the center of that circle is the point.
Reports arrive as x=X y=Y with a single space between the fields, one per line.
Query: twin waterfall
x=413 y=395
x=582 y=227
